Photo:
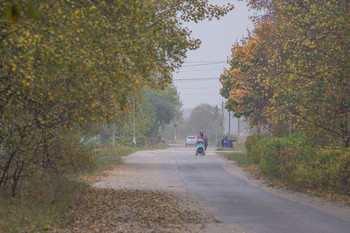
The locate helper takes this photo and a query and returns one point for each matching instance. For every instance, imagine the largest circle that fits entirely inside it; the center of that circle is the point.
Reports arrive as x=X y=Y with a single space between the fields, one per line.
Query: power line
x=203 y=61
x=183 y=71
x=206 y=88
x=200 y=94
x=195 y=79
x=182 y=84
x=205 y=64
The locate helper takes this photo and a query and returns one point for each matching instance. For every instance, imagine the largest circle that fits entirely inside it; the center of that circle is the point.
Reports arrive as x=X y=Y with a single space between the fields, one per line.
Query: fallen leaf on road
x=106 y=210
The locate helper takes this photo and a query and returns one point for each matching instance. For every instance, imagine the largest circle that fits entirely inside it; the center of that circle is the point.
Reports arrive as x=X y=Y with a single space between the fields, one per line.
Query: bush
x=254 y=147
x=42 y=152
x=341 y=173
x=280 y=156
x=326 y=169
x=297 y=163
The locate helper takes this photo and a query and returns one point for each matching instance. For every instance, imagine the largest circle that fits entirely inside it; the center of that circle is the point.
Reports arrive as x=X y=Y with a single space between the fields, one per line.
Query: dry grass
x=40 y=204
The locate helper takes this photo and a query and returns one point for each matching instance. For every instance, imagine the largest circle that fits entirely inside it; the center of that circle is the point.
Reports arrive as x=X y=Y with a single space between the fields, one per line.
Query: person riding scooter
x=200 y=135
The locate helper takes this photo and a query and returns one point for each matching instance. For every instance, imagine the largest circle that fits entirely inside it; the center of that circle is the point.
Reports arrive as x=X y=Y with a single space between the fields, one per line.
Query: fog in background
x=198 y=80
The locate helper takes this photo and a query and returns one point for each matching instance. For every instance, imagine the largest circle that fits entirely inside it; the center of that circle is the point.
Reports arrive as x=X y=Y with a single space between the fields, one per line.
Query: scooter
x=200 y=150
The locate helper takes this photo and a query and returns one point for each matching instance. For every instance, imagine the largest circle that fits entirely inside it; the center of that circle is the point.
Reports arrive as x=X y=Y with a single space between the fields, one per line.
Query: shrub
x=326 y=169
x=254 y=147
x=281 y=156
x=300 y=164
x=40 y=152
x=339 y=171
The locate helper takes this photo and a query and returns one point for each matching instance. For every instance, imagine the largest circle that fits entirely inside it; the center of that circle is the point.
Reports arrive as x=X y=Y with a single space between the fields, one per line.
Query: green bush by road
x=298 y=163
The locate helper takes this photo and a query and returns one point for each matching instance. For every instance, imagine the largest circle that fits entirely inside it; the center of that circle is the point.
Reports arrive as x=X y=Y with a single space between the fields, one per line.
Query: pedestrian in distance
x=226 y=142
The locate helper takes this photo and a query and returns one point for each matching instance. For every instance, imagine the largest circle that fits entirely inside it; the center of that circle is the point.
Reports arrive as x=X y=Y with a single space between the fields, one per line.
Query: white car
x=190 y=141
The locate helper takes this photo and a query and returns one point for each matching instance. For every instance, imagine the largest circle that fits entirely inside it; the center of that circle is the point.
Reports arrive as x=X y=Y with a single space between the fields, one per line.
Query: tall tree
x=165 y=104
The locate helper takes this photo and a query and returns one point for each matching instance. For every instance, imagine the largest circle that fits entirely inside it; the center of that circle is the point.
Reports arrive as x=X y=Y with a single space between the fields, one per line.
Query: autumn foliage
x=292 y=72
x=65 y=63
x=289 y=78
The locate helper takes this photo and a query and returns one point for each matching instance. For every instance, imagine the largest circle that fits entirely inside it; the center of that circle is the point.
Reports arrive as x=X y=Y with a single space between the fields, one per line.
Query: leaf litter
x=108 y=210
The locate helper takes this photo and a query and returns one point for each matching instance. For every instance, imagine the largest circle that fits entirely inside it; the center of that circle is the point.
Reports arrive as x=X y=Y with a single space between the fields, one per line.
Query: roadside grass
x=153 y=147
x=178 y=141
x=225 y=149
x=112 y=152
x=240 y=158
x=113 y=155
x=107 y=161
x=238 y=147
x=244 y=161
x=43 y=202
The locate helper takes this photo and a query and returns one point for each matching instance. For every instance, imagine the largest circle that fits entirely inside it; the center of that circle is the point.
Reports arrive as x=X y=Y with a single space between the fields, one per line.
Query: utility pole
x=229 y=124
x=216 y=124
x=238 y=133
x=222 y=117
x=175 y=126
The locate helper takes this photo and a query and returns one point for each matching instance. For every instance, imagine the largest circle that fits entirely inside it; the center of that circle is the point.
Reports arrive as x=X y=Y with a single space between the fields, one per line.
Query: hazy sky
x=218 y=37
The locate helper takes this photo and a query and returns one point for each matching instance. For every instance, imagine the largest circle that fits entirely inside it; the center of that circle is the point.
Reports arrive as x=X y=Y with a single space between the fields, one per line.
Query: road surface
x=234 y=199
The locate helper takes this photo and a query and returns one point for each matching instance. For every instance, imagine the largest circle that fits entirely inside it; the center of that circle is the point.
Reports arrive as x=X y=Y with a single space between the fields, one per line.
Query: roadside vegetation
x=289 y=79
x=237 y=147
x=43 y=202
x=106 y=157
x=299 y=164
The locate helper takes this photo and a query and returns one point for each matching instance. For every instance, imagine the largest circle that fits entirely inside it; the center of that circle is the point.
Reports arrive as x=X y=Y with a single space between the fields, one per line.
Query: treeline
x=292 y=72
x=145 y=120
x=203 y=117
x=67 y=65
x=290 y=76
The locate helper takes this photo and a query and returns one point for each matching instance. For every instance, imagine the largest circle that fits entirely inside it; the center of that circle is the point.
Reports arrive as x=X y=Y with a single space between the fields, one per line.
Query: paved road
x=238 y=203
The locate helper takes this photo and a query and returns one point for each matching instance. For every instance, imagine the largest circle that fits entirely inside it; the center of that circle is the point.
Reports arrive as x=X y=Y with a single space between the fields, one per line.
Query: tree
x=246 y=95
x=207 y=118
x=165 y=104
x=139 y=119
